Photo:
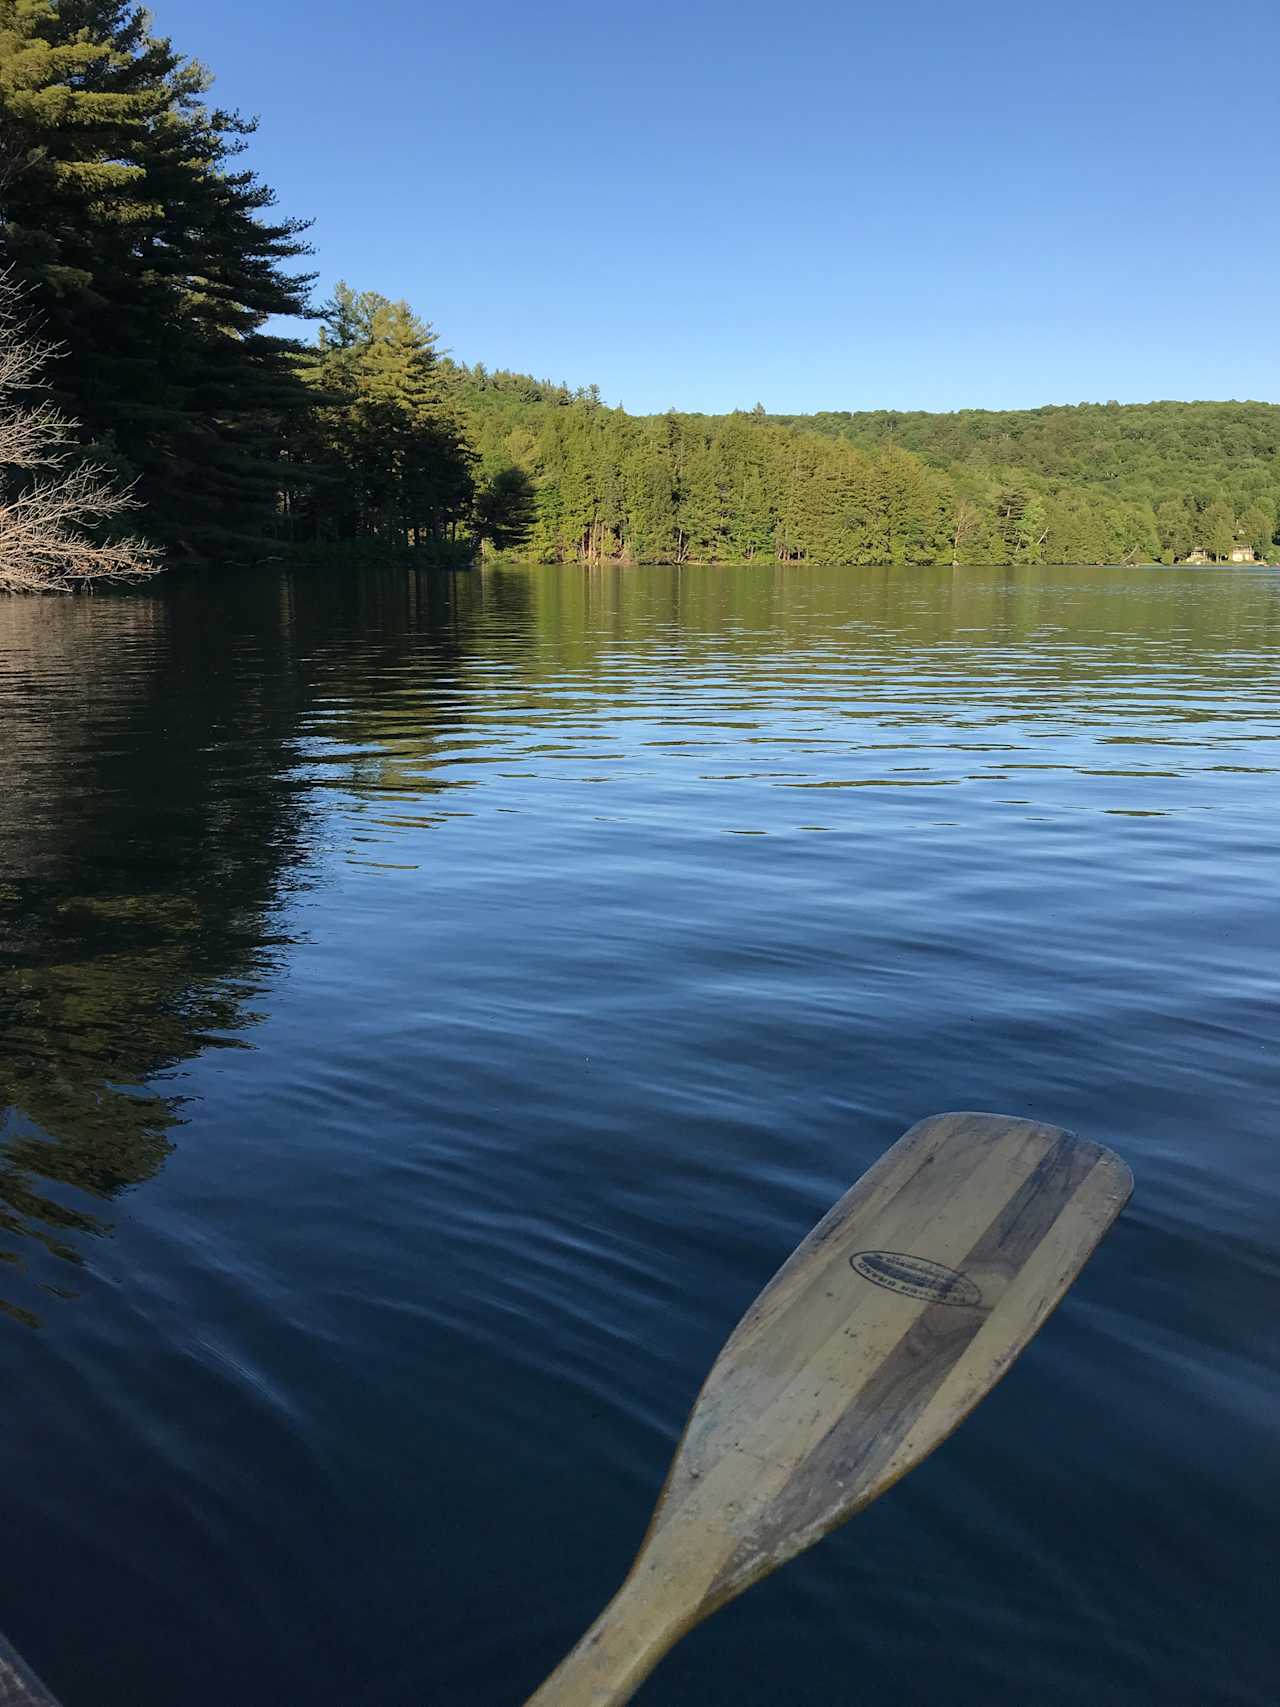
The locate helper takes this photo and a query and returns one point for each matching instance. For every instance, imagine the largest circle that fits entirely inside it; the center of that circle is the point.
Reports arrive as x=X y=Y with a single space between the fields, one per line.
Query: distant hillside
x=1080 y=442
x=1188 y=457
x=1091 y=483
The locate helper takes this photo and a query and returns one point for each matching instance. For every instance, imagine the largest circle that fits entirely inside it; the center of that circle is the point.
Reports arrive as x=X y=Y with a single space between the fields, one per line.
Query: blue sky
x=912 y=204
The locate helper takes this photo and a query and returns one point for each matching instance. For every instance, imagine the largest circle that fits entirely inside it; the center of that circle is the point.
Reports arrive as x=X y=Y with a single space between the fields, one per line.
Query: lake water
x=433 y=1006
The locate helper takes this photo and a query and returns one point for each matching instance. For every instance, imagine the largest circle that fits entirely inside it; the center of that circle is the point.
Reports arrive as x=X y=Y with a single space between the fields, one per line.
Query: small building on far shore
x=1239 y=553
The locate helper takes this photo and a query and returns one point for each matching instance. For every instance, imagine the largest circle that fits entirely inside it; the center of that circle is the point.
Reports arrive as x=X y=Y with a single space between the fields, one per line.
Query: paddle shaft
x=616 y=1654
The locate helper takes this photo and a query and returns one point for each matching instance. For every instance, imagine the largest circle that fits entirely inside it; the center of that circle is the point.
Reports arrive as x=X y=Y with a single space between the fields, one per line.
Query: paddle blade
x=887 y=1325
x=883 y=1330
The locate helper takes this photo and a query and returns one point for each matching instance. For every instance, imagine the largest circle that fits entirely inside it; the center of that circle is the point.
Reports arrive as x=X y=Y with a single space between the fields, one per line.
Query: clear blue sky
x=910 y=204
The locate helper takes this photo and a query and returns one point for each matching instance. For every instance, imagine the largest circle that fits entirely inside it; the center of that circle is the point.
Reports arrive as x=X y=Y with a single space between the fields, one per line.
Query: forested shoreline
x=1087 y=484
x=150 y=264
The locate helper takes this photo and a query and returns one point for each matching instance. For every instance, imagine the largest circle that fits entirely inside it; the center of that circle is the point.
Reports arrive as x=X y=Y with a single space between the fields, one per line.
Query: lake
x=433 y=1006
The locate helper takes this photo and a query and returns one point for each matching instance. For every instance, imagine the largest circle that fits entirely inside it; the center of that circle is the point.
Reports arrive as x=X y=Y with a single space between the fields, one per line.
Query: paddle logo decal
x=917 y=1277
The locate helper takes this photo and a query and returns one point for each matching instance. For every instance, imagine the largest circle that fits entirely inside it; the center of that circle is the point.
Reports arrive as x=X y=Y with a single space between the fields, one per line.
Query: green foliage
x=1092 y=484
x=607 y=486
x=1115 y=480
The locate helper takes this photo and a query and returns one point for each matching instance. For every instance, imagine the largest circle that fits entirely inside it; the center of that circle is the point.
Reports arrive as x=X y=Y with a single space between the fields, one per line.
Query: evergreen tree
x=386 y=451
x=909 y=508
x=154 y=263
x=1218 y=528
x=505 y=510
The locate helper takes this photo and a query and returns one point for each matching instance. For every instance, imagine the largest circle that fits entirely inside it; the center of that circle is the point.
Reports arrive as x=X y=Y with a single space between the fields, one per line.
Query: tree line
x=1086 y=484
x=145 y=261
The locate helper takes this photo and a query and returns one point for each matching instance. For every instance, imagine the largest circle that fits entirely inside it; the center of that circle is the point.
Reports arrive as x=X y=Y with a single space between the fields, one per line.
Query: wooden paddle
x=901 y=1309
x=19 y=1686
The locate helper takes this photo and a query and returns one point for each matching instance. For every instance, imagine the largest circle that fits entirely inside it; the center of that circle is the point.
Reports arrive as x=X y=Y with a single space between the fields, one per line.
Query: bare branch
x=45 y=545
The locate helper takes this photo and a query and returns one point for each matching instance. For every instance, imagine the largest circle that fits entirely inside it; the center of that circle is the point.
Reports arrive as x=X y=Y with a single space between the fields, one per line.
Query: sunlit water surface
x=433 y=1006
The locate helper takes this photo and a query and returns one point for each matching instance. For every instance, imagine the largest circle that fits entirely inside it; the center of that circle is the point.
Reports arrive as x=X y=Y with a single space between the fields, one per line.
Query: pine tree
x=387 y=451
x=154 y=263
x=505 y=510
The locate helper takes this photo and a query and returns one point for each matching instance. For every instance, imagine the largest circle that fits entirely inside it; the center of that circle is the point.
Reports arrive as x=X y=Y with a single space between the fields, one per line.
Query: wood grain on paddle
x=882 y=1331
